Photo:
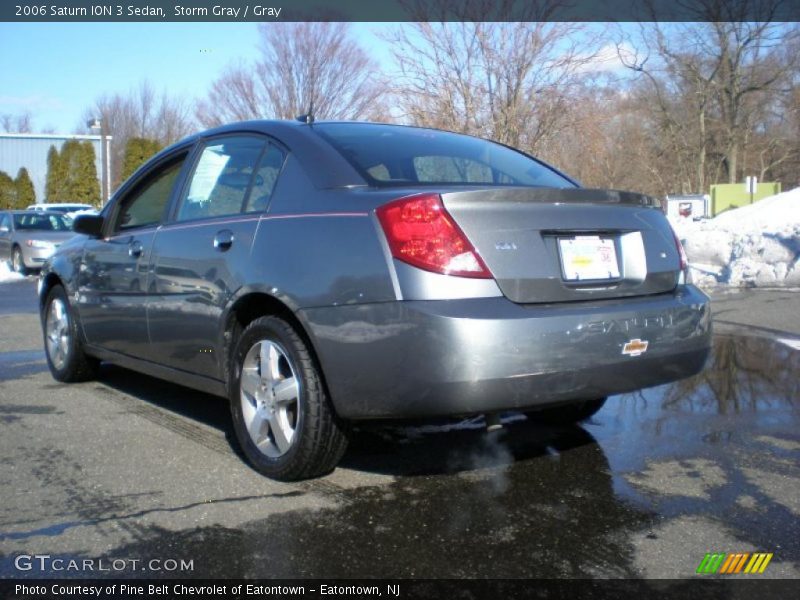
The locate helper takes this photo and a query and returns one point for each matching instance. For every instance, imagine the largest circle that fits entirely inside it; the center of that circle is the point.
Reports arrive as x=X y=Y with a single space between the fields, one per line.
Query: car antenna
x=307 y=118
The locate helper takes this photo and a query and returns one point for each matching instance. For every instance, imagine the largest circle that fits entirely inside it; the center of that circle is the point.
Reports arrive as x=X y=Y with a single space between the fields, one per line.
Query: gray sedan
x=319 y=274
x=28 y=238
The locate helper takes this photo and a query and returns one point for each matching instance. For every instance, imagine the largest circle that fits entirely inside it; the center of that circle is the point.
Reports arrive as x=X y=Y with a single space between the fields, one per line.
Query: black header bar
x=158 y=11
x=699 y=587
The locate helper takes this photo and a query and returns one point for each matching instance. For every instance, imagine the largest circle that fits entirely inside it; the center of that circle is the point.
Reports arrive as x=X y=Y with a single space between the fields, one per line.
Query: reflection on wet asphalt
x=14 y=365
x=644 y=489
x=19 y=296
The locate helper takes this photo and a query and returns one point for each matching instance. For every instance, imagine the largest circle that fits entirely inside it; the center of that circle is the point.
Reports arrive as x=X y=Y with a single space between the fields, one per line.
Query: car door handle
x=223 y=240
x=135 y=249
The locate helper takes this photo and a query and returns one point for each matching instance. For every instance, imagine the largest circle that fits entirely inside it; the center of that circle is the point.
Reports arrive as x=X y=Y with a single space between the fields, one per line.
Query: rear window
x=387 y=155
x=40 y=222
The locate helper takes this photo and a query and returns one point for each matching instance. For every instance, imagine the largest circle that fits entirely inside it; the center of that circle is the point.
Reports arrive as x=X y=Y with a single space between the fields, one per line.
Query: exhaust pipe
x=493 y=422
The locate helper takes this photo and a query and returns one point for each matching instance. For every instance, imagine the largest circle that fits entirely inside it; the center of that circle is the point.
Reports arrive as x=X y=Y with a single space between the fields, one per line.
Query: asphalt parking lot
x=135 y=469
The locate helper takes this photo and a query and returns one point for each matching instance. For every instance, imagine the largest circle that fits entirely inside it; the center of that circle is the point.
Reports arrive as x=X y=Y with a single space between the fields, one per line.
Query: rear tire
x=566 y=414
x=282 y=416
x=62 y=342
x=17 y=262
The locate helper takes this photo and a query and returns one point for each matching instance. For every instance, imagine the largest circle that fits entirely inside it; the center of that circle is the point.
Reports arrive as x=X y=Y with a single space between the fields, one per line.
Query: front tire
x=62 y=343
x=282 y=416
x=567 y=414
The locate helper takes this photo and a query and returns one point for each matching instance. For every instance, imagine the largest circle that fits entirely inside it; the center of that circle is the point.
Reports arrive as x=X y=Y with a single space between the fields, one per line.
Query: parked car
x=321 y=274
x=70 y=211
x=28 y=238
x=62 y=207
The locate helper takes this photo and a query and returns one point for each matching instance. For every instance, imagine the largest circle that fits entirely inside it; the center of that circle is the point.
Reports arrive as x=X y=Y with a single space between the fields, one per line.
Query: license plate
x=588 y=257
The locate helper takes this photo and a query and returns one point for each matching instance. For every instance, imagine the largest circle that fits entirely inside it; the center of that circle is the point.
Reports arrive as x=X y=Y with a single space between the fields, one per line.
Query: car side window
x=146 y=204
x=267 y=174
x=5 y=223
x=223 y=174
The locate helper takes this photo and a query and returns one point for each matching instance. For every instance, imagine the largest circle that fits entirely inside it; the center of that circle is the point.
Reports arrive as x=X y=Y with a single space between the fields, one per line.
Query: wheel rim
x=57 y=328
x=16 y=261
x=270 y=397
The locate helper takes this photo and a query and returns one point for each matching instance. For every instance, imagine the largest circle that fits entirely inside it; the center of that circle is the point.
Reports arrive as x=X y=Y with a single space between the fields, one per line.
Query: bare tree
x=237 y=95
x=20 y=123
x=710 y=86
x=143 y=113
x=754 y=68
x=779 y=148
x=605 y=145
x=508 y=81
x=299 y=64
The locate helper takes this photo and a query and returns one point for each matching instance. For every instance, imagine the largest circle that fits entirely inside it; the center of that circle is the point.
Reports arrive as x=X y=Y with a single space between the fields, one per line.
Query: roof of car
x=33 y=206
x=33 y=212
x=323 y=164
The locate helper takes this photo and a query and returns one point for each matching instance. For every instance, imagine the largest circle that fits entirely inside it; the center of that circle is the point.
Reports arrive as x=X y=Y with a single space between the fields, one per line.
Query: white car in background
x=62 y=207
x=70 y=210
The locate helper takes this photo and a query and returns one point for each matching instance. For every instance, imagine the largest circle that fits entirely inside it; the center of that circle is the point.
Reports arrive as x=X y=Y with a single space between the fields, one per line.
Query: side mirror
x=91 y=225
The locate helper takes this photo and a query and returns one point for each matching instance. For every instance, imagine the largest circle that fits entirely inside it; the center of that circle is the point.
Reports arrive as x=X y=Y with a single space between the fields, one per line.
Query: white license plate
x=588 y=257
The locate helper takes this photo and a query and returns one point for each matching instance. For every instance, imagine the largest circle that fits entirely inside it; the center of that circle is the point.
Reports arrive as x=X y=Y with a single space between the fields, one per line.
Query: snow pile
x=7 y=274
x=756 y=245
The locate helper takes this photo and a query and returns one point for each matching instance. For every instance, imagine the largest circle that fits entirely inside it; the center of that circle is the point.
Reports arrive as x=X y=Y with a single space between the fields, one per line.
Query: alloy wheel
x=270 y=397
x=58 y=333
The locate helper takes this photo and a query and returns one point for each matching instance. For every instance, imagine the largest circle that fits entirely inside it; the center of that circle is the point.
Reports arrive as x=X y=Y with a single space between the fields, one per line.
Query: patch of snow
x=7 y=274
x=794 y=344
x=754 y=246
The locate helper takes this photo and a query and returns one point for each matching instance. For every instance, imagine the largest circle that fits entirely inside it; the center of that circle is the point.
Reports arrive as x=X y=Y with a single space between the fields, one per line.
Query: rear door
x=113 y=282
x=201 y=257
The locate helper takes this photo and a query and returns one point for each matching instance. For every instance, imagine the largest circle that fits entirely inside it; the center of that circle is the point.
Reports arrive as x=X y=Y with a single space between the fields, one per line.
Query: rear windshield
x=387 y=155
x=40 y=222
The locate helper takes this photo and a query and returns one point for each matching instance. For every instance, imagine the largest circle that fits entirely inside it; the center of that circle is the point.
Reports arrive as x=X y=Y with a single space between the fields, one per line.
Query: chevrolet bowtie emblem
x=635 y=347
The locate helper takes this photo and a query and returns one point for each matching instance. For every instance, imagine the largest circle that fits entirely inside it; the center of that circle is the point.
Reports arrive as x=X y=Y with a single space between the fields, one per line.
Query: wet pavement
x=130 y=467
x=18 y=296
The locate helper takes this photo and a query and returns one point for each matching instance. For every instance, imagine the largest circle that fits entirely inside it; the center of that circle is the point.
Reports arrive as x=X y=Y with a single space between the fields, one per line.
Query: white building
x=30 y=150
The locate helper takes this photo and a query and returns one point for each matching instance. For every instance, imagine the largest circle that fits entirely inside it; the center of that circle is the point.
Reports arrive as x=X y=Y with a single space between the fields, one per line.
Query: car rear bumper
x=459 y=357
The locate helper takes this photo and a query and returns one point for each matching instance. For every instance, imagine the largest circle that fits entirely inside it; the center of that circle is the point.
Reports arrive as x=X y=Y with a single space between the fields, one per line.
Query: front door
x=113 y=284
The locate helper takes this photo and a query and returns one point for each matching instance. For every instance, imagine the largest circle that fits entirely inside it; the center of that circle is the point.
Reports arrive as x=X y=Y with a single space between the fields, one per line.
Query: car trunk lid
x=556 y=245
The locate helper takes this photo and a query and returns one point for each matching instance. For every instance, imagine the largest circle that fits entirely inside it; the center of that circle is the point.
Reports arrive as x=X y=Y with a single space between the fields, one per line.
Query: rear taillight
x=681 y=252
x=421 y=233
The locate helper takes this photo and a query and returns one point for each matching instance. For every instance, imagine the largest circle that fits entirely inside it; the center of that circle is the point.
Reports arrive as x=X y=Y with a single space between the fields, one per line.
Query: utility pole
x=105 y=177
x=751 y=185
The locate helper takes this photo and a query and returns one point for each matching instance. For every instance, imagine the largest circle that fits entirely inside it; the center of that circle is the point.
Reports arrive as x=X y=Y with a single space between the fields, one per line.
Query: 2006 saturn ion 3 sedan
x=316 y=274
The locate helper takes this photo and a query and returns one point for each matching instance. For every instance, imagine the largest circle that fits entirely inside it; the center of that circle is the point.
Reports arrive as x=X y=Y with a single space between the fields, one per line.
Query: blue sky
x=55 y=70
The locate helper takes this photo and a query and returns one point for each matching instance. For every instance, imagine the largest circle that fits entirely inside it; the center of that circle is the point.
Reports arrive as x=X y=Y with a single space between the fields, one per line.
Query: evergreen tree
x=8 y=191
x=26 y=195
x=56 y=176
x=137 y=152
x=87 y=185
x=80 y=182
x=68 y=160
